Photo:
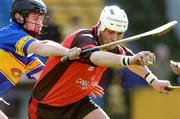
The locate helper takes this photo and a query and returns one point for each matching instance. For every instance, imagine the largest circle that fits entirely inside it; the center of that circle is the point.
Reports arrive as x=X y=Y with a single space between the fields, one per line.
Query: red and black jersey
x=64 y=83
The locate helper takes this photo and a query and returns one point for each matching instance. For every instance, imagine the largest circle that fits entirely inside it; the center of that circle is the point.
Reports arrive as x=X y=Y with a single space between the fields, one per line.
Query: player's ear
x=19 y=18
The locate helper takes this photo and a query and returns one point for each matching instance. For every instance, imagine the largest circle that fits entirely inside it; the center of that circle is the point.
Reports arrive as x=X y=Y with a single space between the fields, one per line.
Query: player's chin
x=110 y=48
x=38 y=31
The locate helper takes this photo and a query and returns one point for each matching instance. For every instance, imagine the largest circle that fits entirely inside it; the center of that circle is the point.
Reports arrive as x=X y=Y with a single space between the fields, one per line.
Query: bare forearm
x=47 y=48
x=139 y=70
x=52 y=49
x=106 y=59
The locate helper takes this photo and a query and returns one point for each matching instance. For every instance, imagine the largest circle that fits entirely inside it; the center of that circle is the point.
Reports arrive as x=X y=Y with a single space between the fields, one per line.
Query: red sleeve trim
x=122 y=51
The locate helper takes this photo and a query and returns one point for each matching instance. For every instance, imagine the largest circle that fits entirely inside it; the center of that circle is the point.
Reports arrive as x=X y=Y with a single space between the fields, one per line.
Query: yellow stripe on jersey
x=11 y=67
x=20 y=44
x=32 y=65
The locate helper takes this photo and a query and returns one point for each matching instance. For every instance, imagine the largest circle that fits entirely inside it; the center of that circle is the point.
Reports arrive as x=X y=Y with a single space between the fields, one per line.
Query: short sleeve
x=22 y=45
x=84 y=41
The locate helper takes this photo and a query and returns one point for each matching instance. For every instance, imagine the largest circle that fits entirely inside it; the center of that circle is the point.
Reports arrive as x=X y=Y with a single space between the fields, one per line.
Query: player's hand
x=143 y=58
x=175 y=66
x=73 y=53
x=97 y=91
x=160 y=85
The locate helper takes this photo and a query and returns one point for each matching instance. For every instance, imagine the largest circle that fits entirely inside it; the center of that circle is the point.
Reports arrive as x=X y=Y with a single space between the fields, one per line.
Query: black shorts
x=77 y=110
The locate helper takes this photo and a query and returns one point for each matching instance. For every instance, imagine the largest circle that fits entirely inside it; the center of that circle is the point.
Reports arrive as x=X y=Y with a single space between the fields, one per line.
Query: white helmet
x=113 y=18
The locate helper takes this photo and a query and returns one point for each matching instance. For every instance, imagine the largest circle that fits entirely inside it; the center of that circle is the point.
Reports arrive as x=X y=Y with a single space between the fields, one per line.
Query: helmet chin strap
x=99 y=30
x=34 y=34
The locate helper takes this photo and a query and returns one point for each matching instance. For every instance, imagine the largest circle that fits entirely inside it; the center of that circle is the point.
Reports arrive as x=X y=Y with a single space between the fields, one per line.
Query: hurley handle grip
x=83 y=52
x=169 y=88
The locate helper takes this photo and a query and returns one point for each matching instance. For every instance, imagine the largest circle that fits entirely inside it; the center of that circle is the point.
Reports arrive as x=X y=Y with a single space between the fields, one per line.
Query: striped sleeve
x=22 y=45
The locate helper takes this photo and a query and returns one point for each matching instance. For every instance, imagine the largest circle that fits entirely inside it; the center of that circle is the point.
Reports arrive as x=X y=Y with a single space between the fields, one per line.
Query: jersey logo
x=84 y=84
x=16 y=72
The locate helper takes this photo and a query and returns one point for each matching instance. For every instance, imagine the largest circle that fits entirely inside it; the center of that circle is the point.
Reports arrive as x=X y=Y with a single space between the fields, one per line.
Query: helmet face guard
x=113 y=18
x=25 y=7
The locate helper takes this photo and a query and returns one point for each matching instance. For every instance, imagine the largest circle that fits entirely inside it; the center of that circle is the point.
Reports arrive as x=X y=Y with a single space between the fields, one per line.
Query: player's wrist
x=125 y=60
x=66 y=52
x=150 y=78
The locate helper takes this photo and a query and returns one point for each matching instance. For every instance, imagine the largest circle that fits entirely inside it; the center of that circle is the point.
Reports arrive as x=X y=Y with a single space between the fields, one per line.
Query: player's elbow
x=95 y=57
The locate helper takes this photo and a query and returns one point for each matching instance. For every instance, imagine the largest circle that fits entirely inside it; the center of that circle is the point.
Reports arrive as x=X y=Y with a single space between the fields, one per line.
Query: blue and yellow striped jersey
x=14 y=59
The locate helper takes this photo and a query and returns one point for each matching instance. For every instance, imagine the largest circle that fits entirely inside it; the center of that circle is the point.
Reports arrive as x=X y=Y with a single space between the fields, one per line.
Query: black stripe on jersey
x=83 y=39
x=128 y=51
x=49 y=80
x=116 y=50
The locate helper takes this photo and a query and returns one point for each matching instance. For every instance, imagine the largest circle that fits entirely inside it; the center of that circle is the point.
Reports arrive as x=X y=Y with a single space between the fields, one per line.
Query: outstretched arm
x=136 y=64
x=145 y=73
x=50 y=48
x=108 y=59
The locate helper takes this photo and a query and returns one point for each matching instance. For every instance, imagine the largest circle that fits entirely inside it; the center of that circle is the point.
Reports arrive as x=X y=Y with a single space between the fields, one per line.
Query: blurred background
x=127 y=96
